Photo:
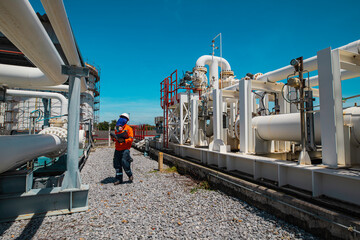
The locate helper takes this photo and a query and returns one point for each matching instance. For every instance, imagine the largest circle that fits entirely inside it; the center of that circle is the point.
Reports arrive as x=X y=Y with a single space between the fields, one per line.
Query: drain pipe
x=60 y=97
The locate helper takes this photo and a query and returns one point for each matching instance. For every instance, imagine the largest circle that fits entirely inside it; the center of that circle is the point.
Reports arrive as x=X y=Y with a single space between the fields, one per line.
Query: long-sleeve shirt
x=128 y=141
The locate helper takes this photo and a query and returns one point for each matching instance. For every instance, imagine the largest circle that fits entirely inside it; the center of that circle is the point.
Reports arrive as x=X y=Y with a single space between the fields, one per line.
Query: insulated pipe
x=310 y=64
x=20 y=24
x=16 y=150
x=286 y=127
x=58 y=88
x=24 y=77
x=345 y=75
x=283 y=127
x=214 y=63
x=27 y=77
x=56 y=12
x=60 y=97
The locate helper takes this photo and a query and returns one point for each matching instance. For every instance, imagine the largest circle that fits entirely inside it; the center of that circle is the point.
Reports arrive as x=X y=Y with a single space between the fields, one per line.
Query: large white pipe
x=18 y=149
x=283 y=127
x=56 y=12
x=214 y=63
x=60 y=97
x=58 y=88
x=20 y=24
x=286 y=127
x=310 y=64
x=345 y=75
x=27 y=77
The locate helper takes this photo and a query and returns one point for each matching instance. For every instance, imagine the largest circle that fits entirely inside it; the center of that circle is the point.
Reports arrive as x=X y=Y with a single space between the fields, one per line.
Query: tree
x=103 y=125
x=113 y=124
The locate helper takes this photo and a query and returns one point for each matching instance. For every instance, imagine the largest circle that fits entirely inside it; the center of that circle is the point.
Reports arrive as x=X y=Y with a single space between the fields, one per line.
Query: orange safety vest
x=128 y=141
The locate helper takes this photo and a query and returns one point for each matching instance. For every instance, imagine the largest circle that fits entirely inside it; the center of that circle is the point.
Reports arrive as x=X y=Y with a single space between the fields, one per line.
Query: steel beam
x=245 y=113
x=338 y=184
x=331 y=113
x=72 y=175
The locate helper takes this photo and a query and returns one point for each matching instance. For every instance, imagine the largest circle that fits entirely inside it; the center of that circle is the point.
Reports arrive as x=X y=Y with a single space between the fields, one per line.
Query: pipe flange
x=60 y=133
x=257 y=75
x=227 y=73
x=200 y=69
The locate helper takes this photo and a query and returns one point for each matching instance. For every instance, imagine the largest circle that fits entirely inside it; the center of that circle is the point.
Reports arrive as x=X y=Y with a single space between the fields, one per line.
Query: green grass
x=173 y=169
x=202 y=185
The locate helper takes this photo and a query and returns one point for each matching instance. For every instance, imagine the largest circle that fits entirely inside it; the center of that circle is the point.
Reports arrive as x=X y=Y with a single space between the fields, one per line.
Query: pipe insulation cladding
x=56 y=12
x=36 y=94
x=286 y=127
x=16 y=150
x=310 y=64
x=27 y=77
x=214 y=63
x=20 y=24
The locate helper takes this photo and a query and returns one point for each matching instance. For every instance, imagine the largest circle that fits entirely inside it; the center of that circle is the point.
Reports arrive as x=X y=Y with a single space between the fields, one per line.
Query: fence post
x=160 y=161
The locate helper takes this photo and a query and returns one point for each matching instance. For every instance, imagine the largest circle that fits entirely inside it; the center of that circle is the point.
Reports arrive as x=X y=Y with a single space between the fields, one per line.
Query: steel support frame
x=334 y=183
x=331 y=111
x=194 y=127
x=245 y=114
x=173 y=124
x=43 y=202
x=72 y=196
x=72 y=177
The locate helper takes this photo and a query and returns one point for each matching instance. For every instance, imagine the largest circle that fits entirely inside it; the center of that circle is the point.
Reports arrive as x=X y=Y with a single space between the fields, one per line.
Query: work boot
x=117 y=182
x=131 y=178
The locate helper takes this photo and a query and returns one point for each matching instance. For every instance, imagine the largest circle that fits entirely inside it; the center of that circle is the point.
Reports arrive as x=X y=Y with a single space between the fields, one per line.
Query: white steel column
x=331 y=113
x=217 y=113
x=181 y=109
x=245 y=113
x=194 y=128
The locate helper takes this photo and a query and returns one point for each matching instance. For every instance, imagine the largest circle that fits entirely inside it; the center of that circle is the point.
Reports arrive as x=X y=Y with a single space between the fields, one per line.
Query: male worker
x=124 y=138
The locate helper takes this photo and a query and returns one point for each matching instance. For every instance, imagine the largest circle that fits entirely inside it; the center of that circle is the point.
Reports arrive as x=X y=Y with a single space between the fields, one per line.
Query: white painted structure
x=265 y=143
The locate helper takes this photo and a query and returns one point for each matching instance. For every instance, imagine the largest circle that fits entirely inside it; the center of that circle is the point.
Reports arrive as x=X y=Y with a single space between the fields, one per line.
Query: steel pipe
x=345 y=75
x=310 y=64
x=286 y=127
x=283 y=127
x=56 y=12
x=214 y=63
x=20 y=24
x=60 y=97
x=16 y=150
x=27 y=77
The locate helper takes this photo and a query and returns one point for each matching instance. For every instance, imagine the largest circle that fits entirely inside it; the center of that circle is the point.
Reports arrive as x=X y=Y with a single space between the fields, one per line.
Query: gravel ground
x=156 y=205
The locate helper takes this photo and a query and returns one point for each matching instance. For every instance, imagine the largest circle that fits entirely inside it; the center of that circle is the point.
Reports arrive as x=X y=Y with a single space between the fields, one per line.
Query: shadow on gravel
x=32 y=227
x=112 y=180
x=108 y=180
x=4 y=227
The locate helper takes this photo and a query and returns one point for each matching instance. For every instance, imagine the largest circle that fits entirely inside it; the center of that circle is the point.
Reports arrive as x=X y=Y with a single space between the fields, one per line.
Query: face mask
x=121 y=122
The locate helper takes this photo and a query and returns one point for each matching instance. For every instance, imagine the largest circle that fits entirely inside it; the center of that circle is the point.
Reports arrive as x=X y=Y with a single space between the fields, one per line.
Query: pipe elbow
x=209 y=60
x=203 y=60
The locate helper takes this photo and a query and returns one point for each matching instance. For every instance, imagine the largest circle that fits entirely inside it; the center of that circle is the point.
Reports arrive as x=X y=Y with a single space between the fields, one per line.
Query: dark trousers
x=122 y=160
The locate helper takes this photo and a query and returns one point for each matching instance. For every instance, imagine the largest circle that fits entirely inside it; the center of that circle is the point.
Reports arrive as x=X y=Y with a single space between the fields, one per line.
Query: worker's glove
x=121 y=140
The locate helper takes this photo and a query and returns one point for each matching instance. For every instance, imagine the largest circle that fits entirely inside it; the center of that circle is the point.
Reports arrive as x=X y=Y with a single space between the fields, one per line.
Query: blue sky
x=138 y=43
